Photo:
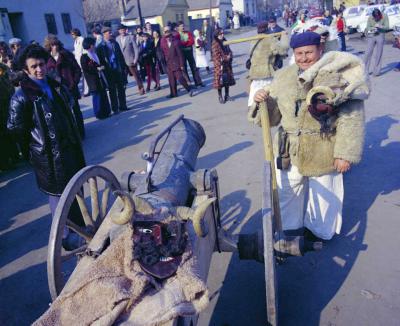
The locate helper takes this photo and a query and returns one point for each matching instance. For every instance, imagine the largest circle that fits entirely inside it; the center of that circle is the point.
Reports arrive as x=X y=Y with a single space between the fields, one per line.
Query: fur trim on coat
x=312 y=154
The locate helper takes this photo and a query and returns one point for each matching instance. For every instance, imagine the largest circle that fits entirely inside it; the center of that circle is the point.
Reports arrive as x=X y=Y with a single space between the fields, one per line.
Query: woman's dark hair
x=377 y=14
x=217 y=32
x=4 y=47
x=88 y=42
x=76 y=32
x=32 y=51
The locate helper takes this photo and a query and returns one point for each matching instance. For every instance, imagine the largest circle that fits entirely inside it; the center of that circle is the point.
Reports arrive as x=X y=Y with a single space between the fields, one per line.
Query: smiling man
x=320 y=136
x=41 y=110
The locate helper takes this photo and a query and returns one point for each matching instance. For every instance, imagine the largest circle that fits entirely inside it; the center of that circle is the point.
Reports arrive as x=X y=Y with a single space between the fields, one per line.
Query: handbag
x=248 y=61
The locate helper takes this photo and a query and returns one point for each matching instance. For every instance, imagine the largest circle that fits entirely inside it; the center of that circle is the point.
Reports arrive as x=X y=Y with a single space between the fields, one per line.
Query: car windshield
x=354 y=11
x=392 y=11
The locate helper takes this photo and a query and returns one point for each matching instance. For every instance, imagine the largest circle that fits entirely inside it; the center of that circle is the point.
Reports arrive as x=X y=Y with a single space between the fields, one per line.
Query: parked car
x=362 y=25
x=393 y=13
x=352 y=16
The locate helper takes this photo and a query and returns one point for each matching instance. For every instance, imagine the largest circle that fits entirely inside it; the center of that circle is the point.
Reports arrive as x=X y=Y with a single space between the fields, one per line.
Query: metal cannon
x=169 y=182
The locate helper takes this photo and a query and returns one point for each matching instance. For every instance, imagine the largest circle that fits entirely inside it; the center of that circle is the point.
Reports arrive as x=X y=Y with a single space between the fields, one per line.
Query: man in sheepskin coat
x=318 y=102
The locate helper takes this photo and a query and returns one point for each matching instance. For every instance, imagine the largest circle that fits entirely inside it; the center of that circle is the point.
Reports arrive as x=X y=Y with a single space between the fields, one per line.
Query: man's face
x=272 y=25
x=122 y=31
x=74 y=36
x=306 y=56
x=36 y=68
x=181 y=28
x=107 y=35
x=148 y=26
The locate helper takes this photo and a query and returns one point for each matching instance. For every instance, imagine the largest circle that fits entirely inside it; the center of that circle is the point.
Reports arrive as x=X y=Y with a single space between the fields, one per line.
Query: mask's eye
x=146 y=231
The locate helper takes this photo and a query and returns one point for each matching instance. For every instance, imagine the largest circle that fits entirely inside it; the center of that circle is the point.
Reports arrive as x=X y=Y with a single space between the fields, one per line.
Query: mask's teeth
x=165 y=259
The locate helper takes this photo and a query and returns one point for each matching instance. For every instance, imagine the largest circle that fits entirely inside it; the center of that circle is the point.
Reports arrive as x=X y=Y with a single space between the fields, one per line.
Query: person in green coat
x=377 y=26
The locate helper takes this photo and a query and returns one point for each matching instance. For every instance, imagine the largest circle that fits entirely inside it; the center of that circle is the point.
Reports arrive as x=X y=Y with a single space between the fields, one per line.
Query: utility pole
x=210 y=21
x=141 y=21
x=122 y=8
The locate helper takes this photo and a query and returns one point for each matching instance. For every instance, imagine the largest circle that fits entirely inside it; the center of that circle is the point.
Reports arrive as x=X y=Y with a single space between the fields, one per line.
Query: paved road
x=353 y=281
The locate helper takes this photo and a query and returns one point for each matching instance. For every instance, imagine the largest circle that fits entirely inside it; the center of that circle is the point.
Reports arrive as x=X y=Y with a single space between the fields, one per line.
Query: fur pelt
x=114 y=289
x=342 y=73
x=311 y=153
x=262 y=61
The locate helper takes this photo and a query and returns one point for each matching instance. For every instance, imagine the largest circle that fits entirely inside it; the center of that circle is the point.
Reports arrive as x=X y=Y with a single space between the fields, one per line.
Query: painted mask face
x=159 y=246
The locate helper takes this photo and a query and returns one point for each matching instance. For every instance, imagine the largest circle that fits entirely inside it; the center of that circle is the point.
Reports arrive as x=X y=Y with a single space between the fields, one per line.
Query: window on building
x=51 y=24
x=247 y=8
x=66 y=20
x=179 y=17
x=254 y=10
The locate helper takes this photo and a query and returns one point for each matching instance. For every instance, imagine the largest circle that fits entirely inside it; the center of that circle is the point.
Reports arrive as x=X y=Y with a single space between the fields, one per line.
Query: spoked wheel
x=83 y=205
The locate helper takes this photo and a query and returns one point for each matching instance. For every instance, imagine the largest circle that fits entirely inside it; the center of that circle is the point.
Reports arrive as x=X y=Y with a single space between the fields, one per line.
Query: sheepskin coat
x=264 y=55
x=311 y=153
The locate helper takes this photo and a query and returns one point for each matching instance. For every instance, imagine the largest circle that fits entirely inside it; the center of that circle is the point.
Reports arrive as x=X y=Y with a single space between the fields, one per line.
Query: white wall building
x=34 y=19
x=246 y=7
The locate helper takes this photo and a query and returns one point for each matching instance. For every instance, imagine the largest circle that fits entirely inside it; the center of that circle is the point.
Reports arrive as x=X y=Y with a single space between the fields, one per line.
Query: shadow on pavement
x=307 y=284
x=214 y=159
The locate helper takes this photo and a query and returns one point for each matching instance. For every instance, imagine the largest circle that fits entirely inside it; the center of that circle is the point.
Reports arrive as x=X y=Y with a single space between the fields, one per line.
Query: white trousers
x=312 y=202
x=256 y=85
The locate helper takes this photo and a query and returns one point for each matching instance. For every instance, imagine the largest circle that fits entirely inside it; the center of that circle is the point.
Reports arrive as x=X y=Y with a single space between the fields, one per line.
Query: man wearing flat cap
x=111 y=57
x=130 y=50
x=318 y=104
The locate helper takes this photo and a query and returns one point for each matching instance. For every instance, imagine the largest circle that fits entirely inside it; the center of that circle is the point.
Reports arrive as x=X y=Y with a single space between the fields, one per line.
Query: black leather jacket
x=55 y=148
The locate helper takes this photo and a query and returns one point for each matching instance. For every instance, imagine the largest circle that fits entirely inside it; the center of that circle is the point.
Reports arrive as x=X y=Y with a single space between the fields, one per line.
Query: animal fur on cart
x=115 y=290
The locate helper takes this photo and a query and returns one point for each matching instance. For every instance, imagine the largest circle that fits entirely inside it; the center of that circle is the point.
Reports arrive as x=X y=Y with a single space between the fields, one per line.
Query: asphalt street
x=354 y=280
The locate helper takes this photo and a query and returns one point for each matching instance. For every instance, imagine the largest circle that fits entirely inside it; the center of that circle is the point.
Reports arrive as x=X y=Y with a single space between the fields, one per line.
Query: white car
x=393 y=13
x=352 y=17
x=365 y=14
x=356 y=18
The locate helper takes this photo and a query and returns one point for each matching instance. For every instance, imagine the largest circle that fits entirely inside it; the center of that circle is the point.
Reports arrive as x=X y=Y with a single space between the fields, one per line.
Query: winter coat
x=55 y=148
x=92 y=75
x=160 y=57
x=104 y=52
x=173 y=55
x=312 y=154
x=222 y=64
x=265 y=55
x=146 y=53
x=67 y=69
x=129 y=49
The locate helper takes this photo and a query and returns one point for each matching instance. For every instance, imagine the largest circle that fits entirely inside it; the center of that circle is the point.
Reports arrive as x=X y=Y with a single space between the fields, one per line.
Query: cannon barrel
x=171 y=161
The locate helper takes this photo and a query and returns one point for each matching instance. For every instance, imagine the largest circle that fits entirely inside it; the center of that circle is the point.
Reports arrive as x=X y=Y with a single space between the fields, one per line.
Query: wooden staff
x=254 y=38
x=269 y=156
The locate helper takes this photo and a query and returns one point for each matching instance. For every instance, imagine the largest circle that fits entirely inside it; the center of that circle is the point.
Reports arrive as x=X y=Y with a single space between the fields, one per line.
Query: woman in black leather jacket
x=41 y=109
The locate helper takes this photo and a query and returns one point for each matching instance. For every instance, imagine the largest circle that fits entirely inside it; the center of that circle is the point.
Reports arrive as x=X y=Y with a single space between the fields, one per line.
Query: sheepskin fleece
x=115 y=290
x=312 y=154
x=262 y=61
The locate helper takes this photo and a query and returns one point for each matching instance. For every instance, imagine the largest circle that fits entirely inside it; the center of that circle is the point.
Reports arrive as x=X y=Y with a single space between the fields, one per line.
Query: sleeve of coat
x=19 y=120
x=135 y=50
x=350 y=131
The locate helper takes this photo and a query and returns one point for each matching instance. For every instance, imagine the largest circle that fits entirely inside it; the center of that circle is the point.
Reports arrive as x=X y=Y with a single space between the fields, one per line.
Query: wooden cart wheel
x=270 y=259
x=91 y=188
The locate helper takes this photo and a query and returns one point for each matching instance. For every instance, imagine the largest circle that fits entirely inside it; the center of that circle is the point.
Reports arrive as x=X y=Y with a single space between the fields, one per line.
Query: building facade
x=255 y=9
x=221 y=10
x=33 y=20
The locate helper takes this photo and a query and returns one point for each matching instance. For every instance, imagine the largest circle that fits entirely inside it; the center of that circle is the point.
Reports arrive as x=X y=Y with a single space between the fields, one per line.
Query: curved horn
x=184 y=213
x=327 y=91
x=198 y=216
x=128 y=209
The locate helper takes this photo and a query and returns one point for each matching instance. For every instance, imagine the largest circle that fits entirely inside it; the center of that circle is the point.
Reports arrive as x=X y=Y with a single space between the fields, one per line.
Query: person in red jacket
x=341 y=26
x=186 y=42
x=175 y=62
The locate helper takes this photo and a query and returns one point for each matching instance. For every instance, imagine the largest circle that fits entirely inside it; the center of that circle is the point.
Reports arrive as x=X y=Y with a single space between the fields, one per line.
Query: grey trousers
x=376 y=42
